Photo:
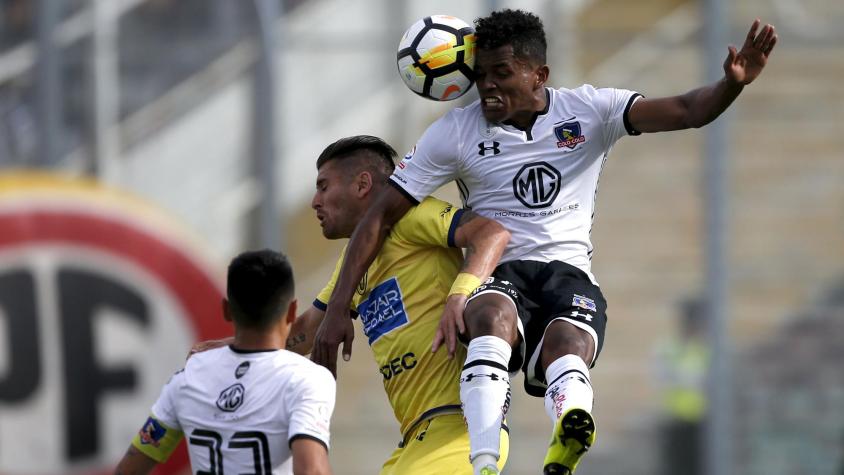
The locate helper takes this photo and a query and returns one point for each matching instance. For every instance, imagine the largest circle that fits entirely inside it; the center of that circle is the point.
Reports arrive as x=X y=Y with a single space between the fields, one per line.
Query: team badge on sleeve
x=152 y=432
x=583 y=302
x=157 y=440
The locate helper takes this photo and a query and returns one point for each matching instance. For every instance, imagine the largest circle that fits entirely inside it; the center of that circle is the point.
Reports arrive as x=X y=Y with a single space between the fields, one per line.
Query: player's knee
x=562 y=338
x=482 y=320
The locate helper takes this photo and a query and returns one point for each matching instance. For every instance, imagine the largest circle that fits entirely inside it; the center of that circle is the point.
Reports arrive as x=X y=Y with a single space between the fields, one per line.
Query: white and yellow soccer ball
x=436 y=56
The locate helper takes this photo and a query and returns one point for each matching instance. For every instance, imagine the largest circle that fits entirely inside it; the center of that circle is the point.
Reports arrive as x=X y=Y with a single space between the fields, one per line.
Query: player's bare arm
x=484 y=240
x=364 y=245
x=303 y=331
x=310 y=457
x=135 y=462
x=701 y=106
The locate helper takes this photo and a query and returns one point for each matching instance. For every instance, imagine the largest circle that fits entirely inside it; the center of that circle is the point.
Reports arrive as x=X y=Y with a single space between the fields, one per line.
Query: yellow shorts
x=439 y=446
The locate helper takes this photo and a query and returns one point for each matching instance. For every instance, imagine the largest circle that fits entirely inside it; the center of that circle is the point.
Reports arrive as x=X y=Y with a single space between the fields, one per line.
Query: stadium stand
x=789 y=416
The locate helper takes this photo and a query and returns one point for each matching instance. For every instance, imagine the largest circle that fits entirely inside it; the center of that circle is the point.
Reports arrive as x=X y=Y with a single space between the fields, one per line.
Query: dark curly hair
x=520 y=29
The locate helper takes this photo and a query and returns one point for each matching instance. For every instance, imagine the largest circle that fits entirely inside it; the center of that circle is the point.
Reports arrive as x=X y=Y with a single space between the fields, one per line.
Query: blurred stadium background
x=203 y=145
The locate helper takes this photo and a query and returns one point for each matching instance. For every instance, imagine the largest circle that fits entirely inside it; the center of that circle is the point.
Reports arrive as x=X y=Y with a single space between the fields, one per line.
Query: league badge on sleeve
x=407 y=157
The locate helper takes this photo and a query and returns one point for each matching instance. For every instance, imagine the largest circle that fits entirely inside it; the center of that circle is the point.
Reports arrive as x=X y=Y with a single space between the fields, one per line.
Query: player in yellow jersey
x=419 y=274
x=417 y=277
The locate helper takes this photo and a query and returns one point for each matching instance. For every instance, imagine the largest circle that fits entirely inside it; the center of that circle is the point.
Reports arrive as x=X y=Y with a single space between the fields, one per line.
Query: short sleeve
x=164 y=408
x=612 y=106
x=311 y=406
x=433 y=222
x=321 y=302
x=432 y=162
x=161 y=433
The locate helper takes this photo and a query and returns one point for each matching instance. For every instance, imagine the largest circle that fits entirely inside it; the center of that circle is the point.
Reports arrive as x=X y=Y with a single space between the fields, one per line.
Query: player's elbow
x=696 y=122
x=500 y=235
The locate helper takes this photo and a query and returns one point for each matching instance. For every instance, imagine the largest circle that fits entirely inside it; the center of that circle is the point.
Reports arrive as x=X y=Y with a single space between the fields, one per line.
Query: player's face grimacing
x=334 y=202
x=508 y=86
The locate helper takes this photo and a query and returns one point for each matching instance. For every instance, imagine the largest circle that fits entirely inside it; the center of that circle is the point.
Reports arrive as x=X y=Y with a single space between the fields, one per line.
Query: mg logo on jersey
x=568 y=135
x=491 y=147
x=537 y=185
x=231 y=398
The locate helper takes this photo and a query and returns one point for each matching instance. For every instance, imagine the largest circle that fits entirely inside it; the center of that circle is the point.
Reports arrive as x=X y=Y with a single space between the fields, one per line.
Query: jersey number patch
x=253 y=440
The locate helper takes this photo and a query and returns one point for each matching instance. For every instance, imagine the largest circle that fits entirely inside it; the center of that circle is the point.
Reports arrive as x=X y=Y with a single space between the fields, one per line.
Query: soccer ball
x=436 y=56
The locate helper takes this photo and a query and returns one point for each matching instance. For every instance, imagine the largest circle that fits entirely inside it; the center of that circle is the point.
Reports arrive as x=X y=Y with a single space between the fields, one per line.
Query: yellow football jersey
x=400 y=302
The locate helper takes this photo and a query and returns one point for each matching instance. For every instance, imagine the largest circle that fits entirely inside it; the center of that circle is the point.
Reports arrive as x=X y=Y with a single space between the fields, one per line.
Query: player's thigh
x=439 y=447
x=569 y=295
x=561 y=293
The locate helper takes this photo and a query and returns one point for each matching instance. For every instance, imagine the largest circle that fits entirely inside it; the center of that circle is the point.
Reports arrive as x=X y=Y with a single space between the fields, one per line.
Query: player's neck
x=525 y=118
x=251 y=340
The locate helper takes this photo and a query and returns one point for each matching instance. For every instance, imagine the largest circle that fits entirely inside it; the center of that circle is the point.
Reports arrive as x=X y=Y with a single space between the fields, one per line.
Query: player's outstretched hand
x=335 y=328
x=745 y=65
x=209 y=345
x=451 y=324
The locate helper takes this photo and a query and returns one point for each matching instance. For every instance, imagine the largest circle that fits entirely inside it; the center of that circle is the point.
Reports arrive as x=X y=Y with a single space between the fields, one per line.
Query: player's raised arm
x=389 y=206
x=701 y=106
x=484 y=240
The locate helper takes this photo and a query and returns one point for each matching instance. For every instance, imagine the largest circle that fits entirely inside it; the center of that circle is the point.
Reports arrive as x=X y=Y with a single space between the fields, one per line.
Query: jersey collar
x=528 y=130
x=242 y=351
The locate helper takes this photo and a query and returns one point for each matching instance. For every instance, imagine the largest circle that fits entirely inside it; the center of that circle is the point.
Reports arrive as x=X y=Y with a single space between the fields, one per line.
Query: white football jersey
x=240 y=411
x=540 y=183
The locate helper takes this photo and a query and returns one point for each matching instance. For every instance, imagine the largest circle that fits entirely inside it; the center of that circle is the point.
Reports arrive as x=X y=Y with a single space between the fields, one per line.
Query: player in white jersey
x=252 y=406
x=530 y=156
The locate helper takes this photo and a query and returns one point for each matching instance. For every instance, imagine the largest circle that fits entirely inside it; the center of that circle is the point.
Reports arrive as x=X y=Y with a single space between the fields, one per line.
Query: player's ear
x=542 y=73
x=227 y=316
x=291 y=312
x=364 y=183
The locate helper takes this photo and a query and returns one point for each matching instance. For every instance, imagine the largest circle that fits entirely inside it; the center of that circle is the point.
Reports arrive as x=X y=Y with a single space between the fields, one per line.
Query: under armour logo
x=492 y=376
x=585 y=316
x=484 y=146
